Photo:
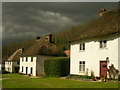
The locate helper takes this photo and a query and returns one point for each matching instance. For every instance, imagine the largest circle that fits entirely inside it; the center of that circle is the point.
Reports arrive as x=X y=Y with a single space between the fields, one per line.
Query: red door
x=103 y=68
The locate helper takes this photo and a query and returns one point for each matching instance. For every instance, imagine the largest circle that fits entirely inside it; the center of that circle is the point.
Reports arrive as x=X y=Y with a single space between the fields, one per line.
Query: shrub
x=78 y=77
x=119 y=78
x=113 y=72
x=57 y=66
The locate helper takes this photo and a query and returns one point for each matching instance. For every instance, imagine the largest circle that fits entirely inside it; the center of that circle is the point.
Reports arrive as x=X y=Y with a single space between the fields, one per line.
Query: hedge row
x=78 y=77
x=59 y=66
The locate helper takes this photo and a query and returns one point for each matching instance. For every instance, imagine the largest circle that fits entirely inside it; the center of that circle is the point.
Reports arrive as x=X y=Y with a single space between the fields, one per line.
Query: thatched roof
x=16 y=55
x=105 y=25
x=40 y=47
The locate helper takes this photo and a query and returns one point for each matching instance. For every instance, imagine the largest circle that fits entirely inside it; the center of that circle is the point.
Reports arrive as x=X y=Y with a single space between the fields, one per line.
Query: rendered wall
x=93 y=55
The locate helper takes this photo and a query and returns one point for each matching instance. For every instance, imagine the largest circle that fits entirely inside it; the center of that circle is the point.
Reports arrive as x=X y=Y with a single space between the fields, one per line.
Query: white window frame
x=82 y=47
x=103 y=44
x=81 y=66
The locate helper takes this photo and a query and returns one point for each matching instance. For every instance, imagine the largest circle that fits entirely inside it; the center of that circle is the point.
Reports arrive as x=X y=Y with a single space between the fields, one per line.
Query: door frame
x=100 y=67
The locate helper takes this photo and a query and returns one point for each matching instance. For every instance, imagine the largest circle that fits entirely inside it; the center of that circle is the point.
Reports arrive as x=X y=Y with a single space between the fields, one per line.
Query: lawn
x=22 y=81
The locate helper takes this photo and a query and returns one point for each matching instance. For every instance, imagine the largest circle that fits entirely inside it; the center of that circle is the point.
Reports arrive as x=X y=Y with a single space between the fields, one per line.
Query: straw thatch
x=105 y=25
x=16 y=55
x=41 y=47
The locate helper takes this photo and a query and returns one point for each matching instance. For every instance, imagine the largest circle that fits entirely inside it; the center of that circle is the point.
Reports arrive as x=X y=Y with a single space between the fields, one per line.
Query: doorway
x=103 y=69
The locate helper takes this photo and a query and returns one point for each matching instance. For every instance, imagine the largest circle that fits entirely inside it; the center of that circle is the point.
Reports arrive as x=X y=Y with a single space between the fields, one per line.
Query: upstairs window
x=31 y=59
x=103 y=44
x=82 y=46
x=22 y=68
x=26 y=59
x=82 y=66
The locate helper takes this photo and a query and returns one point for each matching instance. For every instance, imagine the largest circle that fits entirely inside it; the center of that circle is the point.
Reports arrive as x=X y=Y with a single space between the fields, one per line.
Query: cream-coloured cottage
x=97 y=47
x=12 y=63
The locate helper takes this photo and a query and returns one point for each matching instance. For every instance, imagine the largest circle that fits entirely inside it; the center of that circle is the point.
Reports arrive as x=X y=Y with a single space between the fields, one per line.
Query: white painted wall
x=28 y=64
x=37 y=64
x=93 y=55
x=10 y=66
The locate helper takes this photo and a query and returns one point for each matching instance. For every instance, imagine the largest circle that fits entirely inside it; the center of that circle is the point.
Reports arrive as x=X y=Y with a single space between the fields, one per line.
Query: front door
x=26 y=70
x=16 y=69
x=103 y=68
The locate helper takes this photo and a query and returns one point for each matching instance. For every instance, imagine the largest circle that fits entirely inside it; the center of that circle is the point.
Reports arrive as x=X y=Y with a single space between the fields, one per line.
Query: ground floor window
x=8 y=69
x=82 y=66
x=22 y=68
x=26 y=70
x=31 y=70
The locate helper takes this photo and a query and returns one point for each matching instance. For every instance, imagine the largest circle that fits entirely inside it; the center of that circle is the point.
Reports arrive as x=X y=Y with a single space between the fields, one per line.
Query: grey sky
x=23 y=20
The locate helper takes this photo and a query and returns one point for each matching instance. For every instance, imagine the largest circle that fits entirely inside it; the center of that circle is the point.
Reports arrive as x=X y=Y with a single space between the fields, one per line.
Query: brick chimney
x=102 y=12
x=49 y=38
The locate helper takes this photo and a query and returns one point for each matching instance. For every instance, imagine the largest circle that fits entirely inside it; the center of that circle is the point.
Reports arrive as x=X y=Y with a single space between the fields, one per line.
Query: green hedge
x=59 y=66
x=78 y=77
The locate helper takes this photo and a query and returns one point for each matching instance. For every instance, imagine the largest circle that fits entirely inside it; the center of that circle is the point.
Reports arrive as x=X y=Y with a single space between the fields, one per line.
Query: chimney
x=23 y=49
x=49 y=38
x=102 y=12
x=38 y=38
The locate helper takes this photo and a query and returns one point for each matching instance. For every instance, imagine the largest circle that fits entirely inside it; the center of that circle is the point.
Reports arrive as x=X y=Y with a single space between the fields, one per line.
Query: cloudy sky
x=23 y=20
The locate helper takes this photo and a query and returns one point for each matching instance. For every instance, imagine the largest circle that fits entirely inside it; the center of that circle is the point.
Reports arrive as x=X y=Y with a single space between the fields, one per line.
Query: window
x=31 y=59
x=26 y=59
x=82 y=66
x=22 y=68
x=103 y=44
x=31 y=70
x=82 y=46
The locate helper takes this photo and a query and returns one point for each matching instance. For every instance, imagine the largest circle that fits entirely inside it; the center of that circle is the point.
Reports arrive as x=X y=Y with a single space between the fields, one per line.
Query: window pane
x=31 y=59
x=83 y=67
x=104 y=66
x=80 y=62
x=83 y=46
x=83 y=62
x=80 y=47
x=31 y=70
x=105 y=43
x=22 y=68
x=26 y=59
x=80 y=68
x=100 y=44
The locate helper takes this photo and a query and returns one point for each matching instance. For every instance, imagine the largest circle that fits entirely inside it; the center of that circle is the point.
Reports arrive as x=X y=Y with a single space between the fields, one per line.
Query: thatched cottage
x=12 y=63
x=97 y=47
x=32 y=59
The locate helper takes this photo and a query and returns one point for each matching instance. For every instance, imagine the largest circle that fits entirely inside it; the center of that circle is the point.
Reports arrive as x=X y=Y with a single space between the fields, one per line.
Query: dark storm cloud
x=28 y=20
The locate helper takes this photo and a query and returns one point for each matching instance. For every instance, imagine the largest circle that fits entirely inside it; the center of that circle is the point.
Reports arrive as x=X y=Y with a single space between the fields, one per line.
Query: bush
x=78 y=77
x=119 y=78
x=59 y=66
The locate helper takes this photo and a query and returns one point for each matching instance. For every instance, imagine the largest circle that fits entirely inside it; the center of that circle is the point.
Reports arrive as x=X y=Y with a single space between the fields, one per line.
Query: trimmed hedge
x=78 y=77
x=59 y=66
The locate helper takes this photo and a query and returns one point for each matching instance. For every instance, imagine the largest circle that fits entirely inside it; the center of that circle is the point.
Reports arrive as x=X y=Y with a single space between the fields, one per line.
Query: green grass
x=22 y=81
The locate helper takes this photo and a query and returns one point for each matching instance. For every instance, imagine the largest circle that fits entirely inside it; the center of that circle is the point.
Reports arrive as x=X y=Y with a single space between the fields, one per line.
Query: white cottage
x=12 y=64
x=31 y=62
x=33 y=65
x=97 y=47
